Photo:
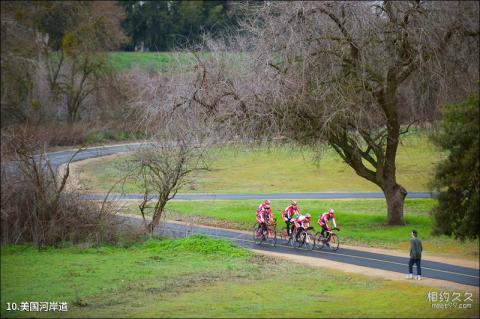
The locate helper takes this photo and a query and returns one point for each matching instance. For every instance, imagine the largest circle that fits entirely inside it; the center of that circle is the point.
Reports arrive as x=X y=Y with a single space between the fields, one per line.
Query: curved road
x=59 y=158
x=430 y=269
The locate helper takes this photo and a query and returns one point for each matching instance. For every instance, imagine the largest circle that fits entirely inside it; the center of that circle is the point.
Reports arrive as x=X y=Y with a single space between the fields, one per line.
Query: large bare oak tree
x=355 y=75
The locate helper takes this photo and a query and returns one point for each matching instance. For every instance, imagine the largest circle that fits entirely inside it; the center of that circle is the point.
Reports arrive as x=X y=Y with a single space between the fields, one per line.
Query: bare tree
x=346 y=73
x=54 y=56
x=165 y=165
x=80 y=65
x=19 y=52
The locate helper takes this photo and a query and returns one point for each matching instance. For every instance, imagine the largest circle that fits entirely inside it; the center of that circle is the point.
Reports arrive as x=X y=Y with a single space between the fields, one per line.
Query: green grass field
x=163 y=61
x=200 y=277
x=279 y=169
x=160 y=61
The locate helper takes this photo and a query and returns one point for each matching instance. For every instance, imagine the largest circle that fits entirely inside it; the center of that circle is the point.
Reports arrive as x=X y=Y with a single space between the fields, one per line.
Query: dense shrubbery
x=458 y=177
x=64 y=134
x=161 y=25
x=39 y=206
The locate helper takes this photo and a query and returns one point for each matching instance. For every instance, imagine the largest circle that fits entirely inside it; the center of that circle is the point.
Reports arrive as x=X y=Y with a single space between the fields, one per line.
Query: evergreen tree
x=458 y=176
x=162 y=25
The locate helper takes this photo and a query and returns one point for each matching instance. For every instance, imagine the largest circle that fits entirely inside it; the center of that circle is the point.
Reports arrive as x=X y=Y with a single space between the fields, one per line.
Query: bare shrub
x=165 y=165
x=54 y=133
x=68 y=134
x=36 y=207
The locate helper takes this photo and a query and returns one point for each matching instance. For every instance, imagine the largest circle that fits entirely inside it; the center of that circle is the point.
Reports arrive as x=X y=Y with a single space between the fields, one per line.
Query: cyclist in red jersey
x=264 y=214
x=323 y=221
x=289 y=215
x=302 y=222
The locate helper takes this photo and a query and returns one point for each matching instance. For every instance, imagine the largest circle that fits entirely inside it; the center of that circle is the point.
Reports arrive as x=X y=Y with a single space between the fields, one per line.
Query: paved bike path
x=430 y=269
x=62 y=157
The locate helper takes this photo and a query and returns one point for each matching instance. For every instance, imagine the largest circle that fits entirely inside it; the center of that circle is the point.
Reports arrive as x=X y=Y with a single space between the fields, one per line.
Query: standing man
x=415 y=256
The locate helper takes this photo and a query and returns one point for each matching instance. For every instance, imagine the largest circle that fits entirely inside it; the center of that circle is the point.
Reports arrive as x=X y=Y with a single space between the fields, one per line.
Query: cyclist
x=302 y=222
x=264 y=215
x=289 y=215
x=323 y=222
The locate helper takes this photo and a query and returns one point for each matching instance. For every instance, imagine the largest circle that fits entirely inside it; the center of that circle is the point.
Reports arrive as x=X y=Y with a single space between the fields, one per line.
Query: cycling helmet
x=331 y=212
x=293 y=203
x=308 y=216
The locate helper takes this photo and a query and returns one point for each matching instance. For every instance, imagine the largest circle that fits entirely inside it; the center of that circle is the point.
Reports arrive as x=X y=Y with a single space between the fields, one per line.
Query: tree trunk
x=72 y=112
x=157 y=214
x=154 y=222
x=395 y=196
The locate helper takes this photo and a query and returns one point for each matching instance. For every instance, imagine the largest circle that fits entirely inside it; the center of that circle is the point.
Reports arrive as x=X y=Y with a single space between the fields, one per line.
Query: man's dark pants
x=415 y=261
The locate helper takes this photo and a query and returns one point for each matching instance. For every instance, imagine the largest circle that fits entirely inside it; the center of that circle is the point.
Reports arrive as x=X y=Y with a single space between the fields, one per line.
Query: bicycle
x=332 y=240
x=305 y=238
x=265 y=234
x=285 y=236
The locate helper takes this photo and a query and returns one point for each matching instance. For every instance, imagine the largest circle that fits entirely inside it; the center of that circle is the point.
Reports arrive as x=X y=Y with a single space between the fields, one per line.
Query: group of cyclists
x=295 y=221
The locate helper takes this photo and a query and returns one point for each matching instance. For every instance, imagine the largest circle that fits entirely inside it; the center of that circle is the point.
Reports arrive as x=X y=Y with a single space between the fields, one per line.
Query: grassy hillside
x=281 y=169
x=198 y=276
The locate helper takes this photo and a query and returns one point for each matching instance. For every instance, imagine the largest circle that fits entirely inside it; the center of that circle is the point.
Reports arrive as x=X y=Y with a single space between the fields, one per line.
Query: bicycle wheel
x=284 y=236
x=273 y=236
x=300 y=241
x=257 y=234
x=319 y=240
x=290 y=241
x=309 y=242
x=334 y=242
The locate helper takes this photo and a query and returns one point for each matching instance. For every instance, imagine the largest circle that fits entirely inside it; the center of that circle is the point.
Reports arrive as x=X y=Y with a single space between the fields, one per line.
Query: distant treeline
x=163 y=25
x=56 y=64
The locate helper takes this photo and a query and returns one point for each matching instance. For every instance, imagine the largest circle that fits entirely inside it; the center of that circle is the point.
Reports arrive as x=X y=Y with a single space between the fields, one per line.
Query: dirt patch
x=263 y=260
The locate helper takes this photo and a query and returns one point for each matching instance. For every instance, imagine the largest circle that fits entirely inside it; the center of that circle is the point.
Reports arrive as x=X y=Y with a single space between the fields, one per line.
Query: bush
x=37 y=207
x=458 y=177
x=65 y=134
x=94 y=138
